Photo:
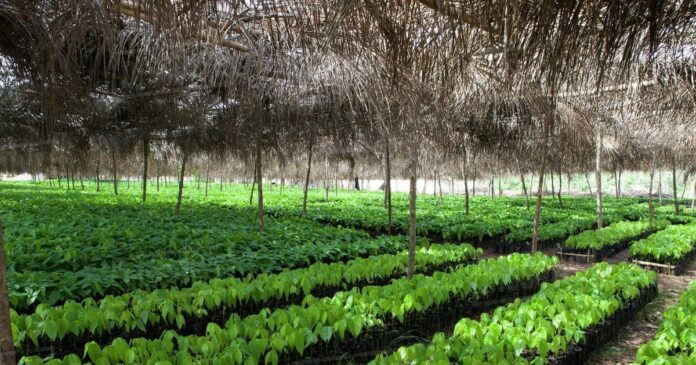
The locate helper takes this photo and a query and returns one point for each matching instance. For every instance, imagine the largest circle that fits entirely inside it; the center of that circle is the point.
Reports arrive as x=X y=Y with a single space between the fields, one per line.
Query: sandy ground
x=623 y=349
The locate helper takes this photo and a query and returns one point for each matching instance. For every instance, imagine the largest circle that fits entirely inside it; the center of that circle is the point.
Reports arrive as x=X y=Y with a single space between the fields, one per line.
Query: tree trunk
x=492 y=186
x=306 y=182
x=674 y=185
x=598 y=177
x=693 y=198
x=387 y=185
x=412 y=208
x=181 y=181
x=540 y=190
x=500 y=186
x=157 y=180
x=7 y=350
x=651 y=206
x=146 y=155
x=589 y=186
x=553 y=185
x=259 y=178
x=98 y=172
x=114 y=168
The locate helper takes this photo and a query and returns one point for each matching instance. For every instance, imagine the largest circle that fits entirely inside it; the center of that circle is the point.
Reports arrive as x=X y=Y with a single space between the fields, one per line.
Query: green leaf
x=180 y=321
x=355 y=325
x=51 y=330
x=257 y=347
x=271 y=358
x=93 y=351
x=325 y=333
x=519 y=346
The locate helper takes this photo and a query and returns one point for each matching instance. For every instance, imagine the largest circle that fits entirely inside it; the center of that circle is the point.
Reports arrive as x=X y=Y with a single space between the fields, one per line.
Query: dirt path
x=622 y=350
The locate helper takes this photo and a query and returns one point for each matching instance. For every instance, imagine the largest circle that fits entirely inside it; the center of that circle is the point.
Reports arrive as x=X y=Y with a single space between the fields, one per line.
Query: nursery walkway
x=622 y=350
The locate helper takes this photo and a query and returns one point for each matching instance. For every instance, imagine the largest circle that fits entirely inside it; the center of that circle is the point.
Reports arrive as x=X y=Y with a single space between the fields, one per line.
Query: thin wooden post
x=207 y=176
x=598 y=175
x=560 y=186
x=181 y=181
x=306 y=182
x=7 y=350
x=651 y=207
x=115 y=170
x=439 y=183
x=146 y=154
x=259 y=176
x=387 y=184
x=466 y=184
x=412 y=207
x=98 y=172
x=674 y=185
x=540 y=191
